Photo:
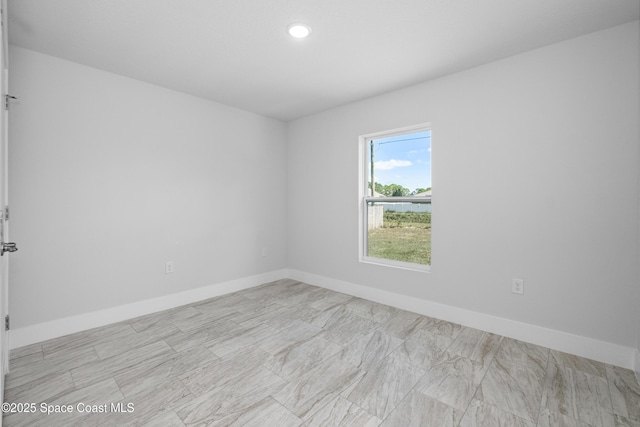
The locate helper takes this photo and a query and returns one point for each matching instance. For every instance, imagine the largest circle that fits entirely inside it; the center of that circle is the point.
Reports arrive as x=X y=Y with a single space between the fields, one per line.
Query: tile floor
x=291 y=354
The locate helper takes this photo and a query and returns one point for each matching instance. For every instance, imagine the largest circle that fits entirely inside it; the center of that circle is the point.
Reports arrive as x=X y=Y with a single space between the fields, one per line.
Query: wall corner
x=636 y=365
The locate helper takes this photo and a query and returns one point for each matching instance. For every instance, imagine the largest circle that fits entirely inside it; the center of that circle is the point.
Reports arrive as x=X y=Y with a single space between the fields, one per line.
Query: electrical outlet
x=168 y=267
x=517 y=286
x=264 y=252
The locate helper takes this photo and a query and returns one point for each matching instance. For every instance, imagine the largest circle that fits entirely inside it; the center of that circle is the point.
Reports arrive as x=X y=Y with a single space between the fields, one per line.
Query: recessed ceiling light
x=298 y=31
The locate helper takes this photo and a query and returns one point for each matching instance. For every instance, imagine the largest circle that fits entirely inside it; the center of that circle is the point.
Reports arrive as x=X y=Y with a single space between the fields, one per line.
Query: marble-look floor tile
x=42 y=389
x=204 y=378
x=163 y=369
x=235 y=301
x=423 y=348
x=476 y=345
x=110 y=348
x=549 y=418
x=268 y=289
x=456 y=374
x=231 y=397
x=296 y=333
x=26 y=350
x=266 y=412
x=283 y=319
x=315 y=388
x=579 y=395
x=440 y=327
x=22 y=419
x=260 y=314
x=27 y=360
x=342 y=412
x=370 y=349
x=146 y=405
x=293 y=361
x=320 y=318
x=482 y=414
x=331 y=300
x=402 y=324
x=163 y=318
x=241 y=305
x=452 y=380
x=625 y=422
x=27 y=355
x=343 y=325
x=379 y=313
x=277 y=291
x=514 y=388
x=231 y=343
x=164 y=419
x=100 y=393
x=625 y=392
x=196 y=337
x=204 y=319
x=578 y=363
x=299 y=356
x=83 y=340
x=305 y=298
x=418 y=410
x=105 y=391
x=384 y=386
x=292 y=287
x=304 y=313
x=522 y=352
x=122 y=363
x=26 y=373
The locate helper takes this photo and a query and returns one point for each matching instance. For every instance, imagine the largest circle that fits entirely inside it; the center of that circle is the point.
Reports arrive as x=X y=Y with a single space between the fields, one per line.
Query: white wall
x=535 y=175
x=111 y=177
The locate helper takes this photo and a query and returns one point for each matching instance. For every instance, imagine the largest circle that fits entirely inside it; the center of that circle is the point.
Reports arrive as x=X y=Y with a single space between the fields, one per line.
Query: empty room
x=337 y=213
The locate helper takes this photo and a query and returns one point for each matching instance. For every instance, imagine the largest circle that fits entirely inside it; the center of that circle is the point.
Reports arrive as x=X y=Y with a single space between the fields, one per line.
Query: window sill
x=396 y=264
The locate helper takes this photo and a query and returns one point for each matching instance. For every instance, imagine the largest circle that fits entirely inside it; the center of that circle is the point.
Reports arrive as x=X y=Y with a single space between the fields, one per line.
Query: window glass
x=397 y=201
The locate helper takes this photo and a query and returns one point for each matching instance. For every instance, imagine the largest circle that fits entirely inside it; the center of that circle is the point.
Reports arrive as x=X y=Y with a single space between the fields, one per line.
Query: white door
x=4 y=202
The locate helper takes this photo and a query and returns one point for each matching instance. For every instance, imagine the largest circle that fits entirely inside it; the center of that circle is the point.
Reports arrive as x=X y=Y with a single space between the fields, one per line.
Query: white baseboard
x=575 y=344
x=602 y=351
x=56 y=328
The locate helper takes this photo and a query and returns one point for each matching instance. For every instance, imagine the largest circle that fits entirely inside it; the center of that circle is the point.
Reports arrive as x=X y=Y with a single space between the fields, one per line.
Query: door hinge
x=6 y=213
x=7 y=323
x=7 y=100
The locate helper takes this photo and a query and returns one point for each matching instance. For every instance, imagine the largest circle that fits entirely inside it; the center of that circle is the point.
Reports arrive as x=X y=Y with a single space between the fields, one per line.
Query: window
x=396 y=198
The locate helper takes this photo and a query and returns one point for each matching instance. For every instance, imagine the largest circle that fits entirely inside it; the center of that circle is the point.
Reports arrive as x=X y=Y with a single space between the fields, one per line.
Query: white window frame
x=363 y=197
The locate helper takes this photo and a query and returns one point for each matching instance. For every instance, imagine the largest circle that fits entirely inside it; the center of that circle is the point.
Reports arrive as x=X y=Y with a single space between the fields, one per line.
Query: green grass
x=406 y=236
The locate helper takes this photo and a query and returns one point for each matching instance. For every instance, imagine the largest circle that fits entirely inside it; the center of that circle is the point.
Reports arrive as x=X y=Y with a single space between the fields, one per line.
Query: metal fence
x=396 y=204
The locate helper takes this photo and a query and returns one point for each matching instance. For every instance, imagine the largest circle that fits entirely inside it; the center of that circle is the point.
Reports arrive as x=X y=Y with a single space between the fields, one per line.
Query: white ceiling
x=237 y=51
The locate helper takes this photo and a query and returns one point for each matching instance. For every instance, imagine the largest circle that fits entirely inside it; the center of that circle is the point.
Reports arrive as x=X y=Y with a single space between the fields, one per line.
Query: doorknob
x=8 y=247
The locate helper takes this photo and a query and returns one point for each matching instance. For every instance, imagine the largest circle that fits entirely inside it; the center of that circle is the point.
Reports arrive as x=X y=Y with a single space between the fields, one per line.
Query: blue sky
x=403 y=159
